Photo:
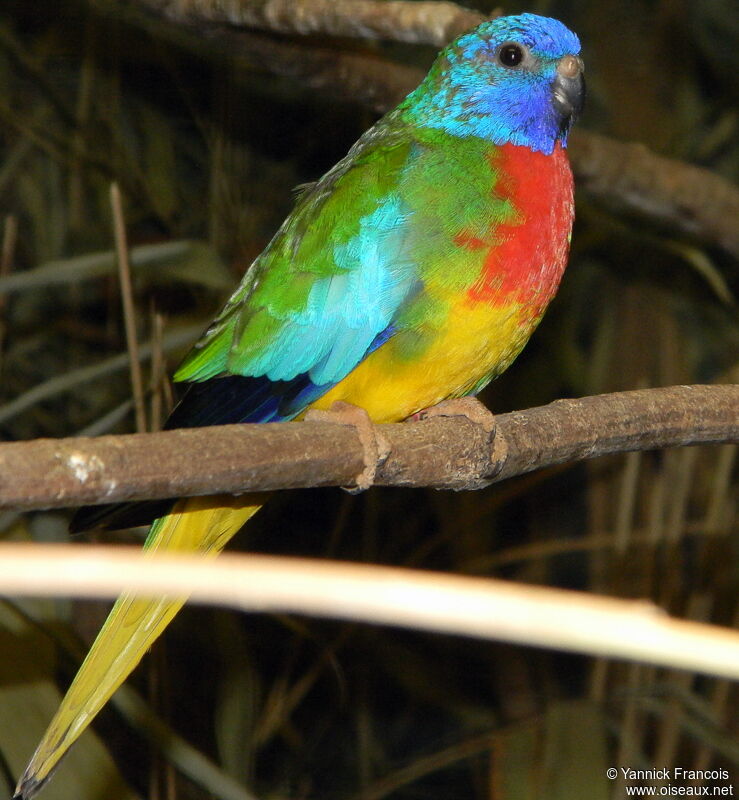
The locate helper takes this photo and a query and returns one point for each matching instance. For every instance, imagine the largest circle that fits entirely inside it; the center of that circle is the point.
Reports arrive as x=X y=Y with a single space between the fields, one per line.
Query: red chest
x=527 y=252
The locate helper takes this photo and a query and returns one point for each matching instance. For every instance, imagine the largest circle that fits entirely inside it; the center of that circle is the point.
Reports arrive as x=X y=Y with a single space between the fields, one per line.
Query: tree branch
x=479 y=607
x=694 y=200
x=689 y=199
x=450 y=453
x=419 y=22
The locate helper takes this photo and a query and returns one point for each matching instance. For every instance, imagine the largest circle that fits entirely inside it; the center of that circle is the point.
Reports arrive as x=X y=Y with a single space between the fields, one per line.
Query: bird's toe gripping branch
x=476 y=412
x=469 y=407
x=376 y=447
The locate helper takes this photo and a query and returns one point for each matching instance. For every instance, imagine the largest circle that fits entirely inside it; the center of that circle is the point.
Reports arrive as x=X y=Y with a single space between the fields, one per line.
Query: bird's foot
x=376 y=447
x=469 y=407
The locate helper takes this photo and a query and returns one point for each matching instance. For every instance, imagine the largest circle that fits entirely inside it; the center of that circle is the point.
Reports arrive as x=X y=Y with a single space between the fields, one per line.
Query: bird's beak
x=568 y=90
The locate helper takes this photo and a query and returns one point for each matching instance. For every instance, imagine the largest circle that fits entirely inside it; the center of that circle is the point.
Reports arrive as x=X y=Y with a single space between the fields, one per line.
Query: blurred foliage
x=207 y=153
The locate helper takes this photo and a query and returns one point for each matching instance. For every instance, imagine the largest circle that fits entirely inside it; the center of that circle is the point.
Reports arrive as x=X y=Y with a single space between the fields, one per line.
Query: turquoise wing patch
x=330 y=282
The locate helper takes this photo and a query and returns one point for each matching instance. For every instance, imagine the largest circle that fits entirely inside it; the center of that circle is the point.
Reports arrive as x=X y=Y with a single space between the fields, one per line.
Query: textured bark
x=420 y=22
x=362 y=76
x=627 y=174
x=444 y=453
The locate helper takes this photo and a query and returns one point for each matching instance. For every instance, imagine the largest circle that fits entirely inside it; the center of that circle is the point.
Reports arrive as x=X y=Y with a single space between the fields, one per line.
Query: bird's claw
x=375 y=446
x=469 y=407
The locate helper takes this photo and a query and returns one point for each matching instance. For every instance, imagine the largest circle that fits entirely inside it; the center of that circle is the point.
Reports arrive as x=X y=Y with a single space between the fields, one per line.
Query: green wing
x=330 y=281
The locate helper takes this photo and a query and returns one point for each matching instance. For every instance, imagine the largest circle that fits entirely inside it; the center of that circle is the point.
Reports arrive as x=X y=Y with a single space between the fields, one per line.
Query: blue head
x=515 y=79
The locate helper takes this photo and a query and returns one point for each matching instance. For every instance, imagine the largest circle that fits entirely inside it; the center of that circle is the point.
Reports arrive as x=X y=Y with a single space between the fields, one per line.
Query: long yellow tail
x=202 y=524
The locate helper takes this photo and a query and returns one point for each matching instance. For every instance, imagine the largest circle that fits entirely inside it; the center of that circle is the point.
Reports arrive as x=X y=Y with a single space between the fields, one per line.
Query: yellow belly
x=475 y=343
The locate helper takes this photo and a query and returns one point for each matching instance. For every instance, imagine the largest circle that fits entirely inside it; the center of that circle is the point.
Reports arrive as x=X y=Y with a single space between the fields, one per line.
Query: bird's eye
x=511 y=54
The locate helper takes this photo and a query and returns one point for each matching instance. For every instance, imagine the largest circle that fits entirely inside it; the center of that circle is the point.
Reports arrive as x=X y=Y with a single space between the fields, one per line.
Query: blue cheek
x=511 y=107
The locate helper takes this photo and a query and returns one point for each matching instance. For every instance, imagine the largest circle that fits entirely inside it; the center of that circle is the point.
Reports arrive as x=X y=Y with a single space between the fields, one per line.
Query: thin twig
x=129 y=309
x=460 y=605
x=7 y=257
x=10 y=237
x=449 y=453
x=158 y=372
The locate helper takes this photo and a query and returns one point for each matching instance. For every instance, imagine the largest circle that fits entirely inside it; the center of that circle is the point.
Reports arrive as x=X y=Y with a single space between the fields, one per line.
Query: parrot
x=411 y=274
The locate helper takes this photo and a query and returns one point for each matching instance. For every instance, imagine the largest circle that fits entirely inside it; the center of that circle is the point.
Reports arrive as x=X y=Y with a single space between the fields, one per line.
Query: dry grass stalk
x=480 y=608
x=129 y=308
